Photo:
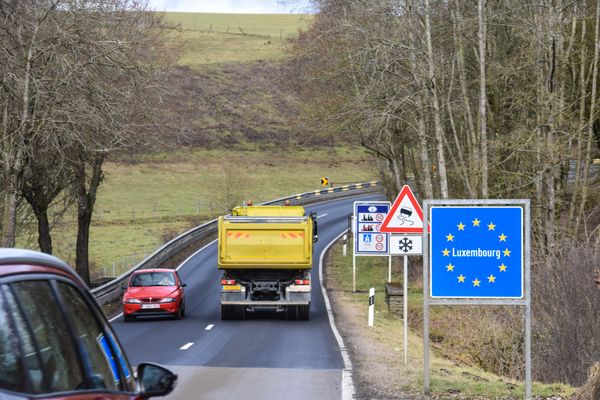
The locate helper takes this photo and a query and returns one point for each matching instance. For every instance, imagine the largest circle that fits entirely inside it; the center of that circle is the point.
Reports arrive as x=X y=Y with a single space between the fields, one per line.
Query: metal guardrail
x=111 y=291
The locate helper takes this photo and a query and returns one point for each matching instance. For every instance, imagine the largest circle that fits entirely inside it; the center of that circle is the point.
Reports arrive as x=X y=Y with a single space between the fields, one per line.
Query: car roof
x=24 y=257
x=154 y=270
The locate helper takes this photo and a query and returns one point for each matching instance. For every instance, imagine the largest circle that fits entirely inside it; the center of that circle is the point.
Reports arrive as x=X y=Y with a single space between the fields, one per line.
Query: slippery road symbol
x=404 y=216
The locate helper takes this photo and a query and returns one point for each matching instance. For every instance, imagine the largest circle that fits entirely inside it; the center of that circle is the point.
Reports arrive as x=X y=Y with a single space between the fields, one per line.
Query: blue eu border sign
x=476 y=252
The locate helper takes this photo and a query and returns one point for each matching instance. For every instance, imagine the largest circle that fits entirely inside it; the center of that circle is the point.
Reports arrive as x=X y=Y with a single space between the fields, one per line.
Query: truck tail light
x=302 y=281
x=227 y=281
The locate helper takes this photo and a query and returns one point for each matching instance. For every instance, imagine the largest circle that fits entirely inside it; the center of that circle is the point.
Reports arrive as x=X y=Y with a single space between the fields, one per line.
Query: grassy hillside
x=222 y=38
x=231 y=88
x=273 y=25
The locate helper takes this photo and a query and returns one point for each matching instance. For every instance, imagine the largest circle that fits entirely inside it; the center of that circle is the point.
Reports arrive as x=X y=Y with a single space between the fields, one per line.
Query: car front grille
x=150 y=299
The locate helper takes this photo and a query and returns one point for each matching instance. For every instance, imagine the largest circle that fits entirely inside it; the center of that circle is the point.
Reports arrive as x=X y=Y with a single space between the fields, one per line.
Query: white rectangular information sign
x=368 y=217
x=404 y=245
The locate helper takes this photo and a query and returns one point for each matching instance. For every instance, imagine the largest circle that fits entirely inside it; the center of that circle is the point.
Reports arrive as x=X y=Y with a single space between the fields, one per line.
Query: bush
x=566 y=313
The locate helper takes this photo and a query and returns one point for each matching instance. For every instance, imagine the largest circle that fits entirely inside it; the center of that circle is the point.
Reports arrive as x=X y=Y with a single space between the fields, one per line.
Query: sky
x=233 y=6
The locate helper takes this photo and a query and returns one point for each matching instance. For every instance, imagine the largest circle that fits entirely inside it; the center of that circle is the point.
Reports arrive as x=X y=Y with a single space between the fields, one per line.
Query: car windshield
x=153 y=279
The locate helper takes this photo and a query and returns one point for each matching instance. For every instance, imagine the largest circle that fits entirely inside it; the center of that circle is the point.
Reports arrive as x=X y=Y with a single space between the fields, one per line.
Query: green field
x=272 y=25
x=220 y=38
x=149 y=199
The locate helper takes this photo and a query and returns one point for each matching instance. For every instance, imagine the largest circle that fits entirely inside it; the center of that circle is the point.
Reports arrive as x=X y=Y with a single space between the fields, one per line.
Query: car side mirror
x=183 y=284
x=124 y=286
x=155 y=380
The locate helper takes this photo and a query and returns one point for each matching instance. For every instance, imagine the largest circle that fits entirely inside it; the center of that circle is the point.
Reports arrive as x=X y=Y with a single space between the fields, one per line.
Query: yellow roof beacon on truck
x=265 y=253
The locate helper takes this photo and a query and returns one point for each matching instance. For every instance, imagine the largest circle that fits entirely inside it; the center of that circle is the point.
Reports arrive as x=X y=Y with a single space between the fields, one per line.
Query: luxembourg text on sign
x=476 y=252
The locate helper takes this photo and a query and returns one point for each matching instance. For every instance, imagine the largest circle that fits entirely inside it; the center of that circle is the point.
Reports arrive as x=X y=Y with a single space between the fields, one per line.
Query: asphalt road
x=263 y=357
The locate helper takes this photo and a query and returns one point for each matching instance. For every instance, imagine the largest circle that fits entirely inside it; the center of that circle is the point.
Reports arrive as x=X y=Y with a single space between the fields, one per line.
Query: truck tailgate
x=251 y=245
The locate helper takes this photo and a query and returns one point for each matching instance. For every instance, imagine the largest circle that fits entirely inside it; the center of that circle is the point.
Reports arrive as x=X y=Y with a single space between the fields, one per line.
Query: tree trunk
x=425 y=161
x=592 y=116
x=471 y=135
x=13 y=153
x=483 y=100
x=432 y=85
x=9 y=212
x=580 y=128
x=44 y=237
x=86 y=198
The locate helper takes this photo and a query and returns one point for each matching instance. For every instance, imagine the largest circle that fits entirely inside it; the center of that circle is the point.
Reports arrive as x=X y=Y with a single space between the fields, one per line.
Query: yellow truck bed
x=263 y=237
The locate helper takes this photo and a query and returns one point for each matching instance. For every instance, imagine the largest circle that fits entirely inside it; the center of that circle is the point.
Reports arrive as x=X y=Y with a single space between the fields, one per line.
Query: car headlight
x=167 y=300
x=133 y=301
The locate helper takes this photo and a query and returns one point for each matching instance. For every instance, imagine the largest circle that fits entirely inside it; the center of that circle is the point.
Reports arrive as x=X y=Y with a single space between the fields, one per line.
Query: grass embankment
x=152 y=198
x=220 y=38
x=378 y=351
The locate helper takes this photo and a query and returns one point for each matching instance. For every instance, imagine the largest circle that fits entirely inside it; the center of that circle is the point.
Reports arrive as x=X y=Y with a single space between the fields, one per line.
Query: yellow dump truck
x=265 y=253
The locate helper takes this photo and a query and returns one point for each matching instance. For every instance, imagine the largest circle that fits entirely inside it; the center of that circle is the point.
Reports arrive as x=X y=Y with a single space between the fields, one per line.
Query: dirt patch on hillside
x=232 y=104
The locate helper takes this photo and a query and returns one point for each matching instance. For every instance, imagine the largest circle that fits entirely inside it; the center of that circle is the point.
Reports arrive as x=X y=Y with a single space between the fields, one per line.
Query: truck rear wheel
x=226 y=312
x=229 y=312
x=239 y=312
x=291 y=313
x=297 y=313
x=304 y=312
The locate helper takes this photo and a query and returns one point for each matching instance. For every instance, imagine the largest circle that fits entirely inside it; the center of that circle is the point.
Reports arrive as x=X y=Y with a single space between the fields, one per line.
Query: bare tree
x=483 y=98
x=80 y=82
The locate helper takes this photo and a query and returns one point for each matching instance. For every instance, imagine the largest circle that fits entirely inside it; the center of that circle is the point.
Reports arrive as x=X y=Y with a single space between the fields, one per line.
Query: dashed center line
x=209 y=327
x=321 y=216
x=186 y=346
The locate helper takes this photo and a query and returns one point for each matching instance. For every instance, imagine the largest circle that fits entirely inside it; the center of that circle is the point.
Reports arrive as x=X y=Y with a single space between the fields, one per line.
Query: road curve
x=264 y=357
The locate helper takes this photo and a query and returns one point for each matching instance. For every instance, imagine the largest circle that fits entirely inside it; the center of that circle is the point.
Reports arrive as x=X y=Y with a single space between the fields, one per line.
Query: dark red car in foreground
x=154 y=292
x=55 y=342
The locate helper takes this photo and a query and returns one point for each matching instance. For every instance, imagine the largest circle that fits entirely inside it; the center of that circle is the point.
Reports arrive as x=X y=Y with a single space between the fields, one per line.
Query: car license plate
x=231 y=288
x=150 y=305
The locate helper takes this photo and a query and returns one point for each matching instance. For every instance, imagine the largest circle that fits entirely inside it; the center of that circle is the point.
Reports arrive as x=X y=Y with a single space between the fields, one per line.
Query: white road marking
x=186 y=346
x=209 y=327
x=193 y=255
x=115 y=317
x=321 y=216
x=347 y=383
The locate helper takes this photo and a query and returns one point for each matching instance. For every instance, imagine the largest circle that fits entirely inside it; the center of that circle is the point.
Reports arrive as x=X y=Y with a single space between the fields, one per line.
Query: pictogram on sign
x=405 y=216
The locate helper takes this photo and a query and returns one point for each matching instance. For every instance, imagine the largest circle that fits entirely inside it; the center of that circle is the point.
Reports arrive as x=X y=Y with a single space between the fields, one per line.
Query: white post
x=371 y=306
x=389 y=268
x=353 y=272
x=345 y=244
x=114 y=270
x=405 y=284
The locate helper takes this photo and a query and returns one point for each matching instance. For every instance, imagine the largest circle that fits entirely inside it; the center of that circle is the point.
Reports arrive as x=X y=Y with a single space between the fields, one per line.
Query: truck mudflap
x=239 y=298
x=235 y=305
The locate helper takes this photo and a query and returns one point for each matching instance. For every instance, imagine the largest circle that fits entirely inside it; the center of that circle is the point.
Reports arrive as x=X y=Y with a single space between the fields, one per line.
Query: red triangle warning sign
x=405 y=216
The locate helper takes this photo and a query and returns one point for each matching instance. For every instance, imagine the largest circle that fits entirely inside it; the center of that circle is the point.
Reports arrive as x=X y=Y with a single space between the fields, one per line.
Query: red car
x=55 y=342
x=154 y=292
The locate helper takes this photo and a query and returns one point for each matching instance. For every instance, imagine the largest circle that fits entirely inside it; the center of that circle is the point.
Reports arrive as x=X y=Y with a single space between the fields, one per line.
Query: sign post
x=405 y=224
x=405 y=310
x=369 y=240
x=478 y=253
